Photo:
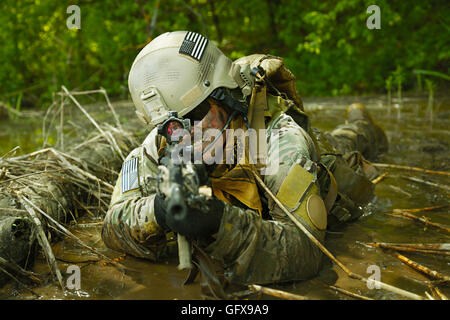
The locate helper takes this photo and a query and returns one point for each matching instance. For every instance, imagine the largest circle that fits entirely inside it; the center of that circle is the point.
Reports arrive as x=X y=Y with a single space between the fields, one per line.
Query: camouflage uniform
x=251 y=249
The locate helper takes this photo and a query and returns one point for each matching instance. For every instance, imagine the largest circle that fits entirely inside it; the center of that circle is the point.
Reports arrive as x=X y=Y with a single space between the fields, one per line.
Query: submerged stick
x=418 y=267
x=429 y=296
x=328 y=253
x=424 y=246
x=436 y=292
x=396 y=166
x=19 y=282
x=19 y=270
x=415 y=210
x=429 y=183
x=348 y=293
x=423 y=220
x=43 y=241
x=409 y=248
x=395 y=188
x=440 y=282
x=378 y=179
x=276 y=293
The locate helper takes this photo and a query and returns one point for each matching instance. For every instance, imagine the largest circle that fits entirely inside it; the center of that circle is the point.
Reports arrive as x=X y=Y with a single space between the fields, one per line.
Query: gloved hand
x=203 y=217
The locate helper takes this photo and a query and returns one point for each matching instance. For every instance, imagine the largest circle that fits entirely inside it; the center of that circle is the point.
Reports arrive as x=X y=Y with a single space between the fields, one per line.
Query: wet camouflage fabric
x=255 y=250
x=360 y=134
x=344 y=151
x=251 y=249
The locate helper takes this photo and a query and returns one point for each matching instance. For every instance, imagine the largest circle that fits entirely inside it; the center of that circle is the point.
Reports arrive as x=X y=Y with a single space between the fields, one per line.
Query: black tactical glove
x=203 y=217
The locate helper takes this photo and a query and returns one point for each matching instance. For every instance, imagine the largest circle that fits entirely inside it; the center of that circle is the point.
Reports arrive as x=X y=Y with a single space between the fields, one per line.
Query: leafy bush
x=325 y=43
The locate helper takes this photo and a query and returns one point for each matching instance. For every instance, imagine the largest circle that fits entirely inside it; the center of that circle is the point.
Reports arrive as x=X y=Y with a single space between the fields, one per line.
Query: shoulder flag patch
x=130 y=176
x=193 y=45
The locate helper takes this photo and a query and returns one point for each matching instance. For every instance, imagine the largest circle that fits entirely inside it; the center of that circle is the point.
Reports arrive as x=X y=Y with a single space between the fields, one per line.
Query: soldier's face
x=214 y=120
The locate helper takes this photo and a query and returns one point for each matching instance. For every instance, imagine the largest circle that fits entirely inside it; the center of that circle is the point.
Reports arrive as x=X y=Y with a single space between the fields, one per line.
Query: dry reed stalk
x=110 y=139
x=72 y=236
x=116 y=118
x=52 y=177
x=108 y=102
x=43 y=241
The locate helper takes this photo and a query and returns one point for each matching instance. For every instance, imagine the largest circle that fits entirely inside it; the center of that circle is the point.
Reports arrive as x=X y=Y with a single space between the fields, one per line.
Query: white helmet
x=177 y=71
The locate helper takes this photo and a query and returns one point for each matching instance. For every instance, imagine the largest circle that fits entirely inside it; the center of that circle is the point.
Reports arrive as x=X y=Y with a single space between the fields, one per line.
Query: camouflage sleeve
x=130 y=225
x=265 y=251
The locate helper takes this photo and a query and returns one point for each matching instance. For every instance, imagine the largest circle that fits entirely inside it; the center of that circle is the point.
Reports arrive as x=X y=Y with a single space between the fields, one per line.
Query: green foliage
x=325 y=43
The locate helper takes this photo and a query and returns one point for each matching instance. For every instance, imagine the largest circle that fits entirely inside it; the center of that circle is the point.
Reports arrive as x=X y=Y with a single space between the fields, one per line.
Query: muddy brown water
x=414 y=139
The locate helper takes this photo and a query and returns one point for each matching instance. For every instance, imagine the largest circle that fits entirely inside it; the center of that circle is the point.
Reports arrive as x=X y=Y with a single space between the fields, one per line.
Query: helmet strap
x=223 y=96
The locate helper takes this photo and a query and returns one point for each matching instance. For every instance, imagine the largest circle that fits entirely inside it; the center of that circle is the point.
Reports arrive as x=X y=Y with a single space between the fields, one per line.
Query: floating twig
x=440 y=282
x=429 y=183
x=436 y=292
x=348 y=293
x=424 y=246
x=379 y=178
x=19 y=282
x=19 y=270
x=409 y=248
x=423 y=220
x=429 y=296
x=418 y=267
x=276 y=293
x=396 y=166
x=409 y=195
x=415 y=210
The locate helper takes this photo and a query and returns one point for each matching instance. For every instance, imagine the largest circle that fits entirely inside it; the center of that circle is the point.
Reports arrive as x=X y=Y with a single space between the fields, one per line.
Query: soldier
x=239 y=224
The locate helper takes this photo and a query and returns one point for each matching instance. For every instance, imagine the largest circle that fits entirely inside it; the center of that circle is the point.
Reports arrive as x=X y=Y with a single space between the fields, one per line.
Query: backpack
x=343 y=186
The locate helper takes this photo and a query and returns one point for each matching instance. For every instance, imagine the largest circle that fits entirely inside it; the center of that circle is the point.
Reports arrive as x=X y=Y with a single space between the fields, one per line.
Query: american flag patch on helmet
x=193 y=45
x=130 y=176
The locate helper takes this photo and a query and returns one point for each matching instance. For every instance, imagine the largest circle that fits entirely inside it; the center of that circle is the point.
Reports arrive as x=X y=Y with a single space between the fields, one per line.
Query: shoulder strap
x=330 y=198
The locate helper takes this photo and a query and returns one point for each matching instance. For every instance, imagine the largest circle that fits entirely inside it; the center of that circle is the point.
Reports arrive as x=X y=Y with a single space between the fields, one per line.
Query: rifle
x=171 y=165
